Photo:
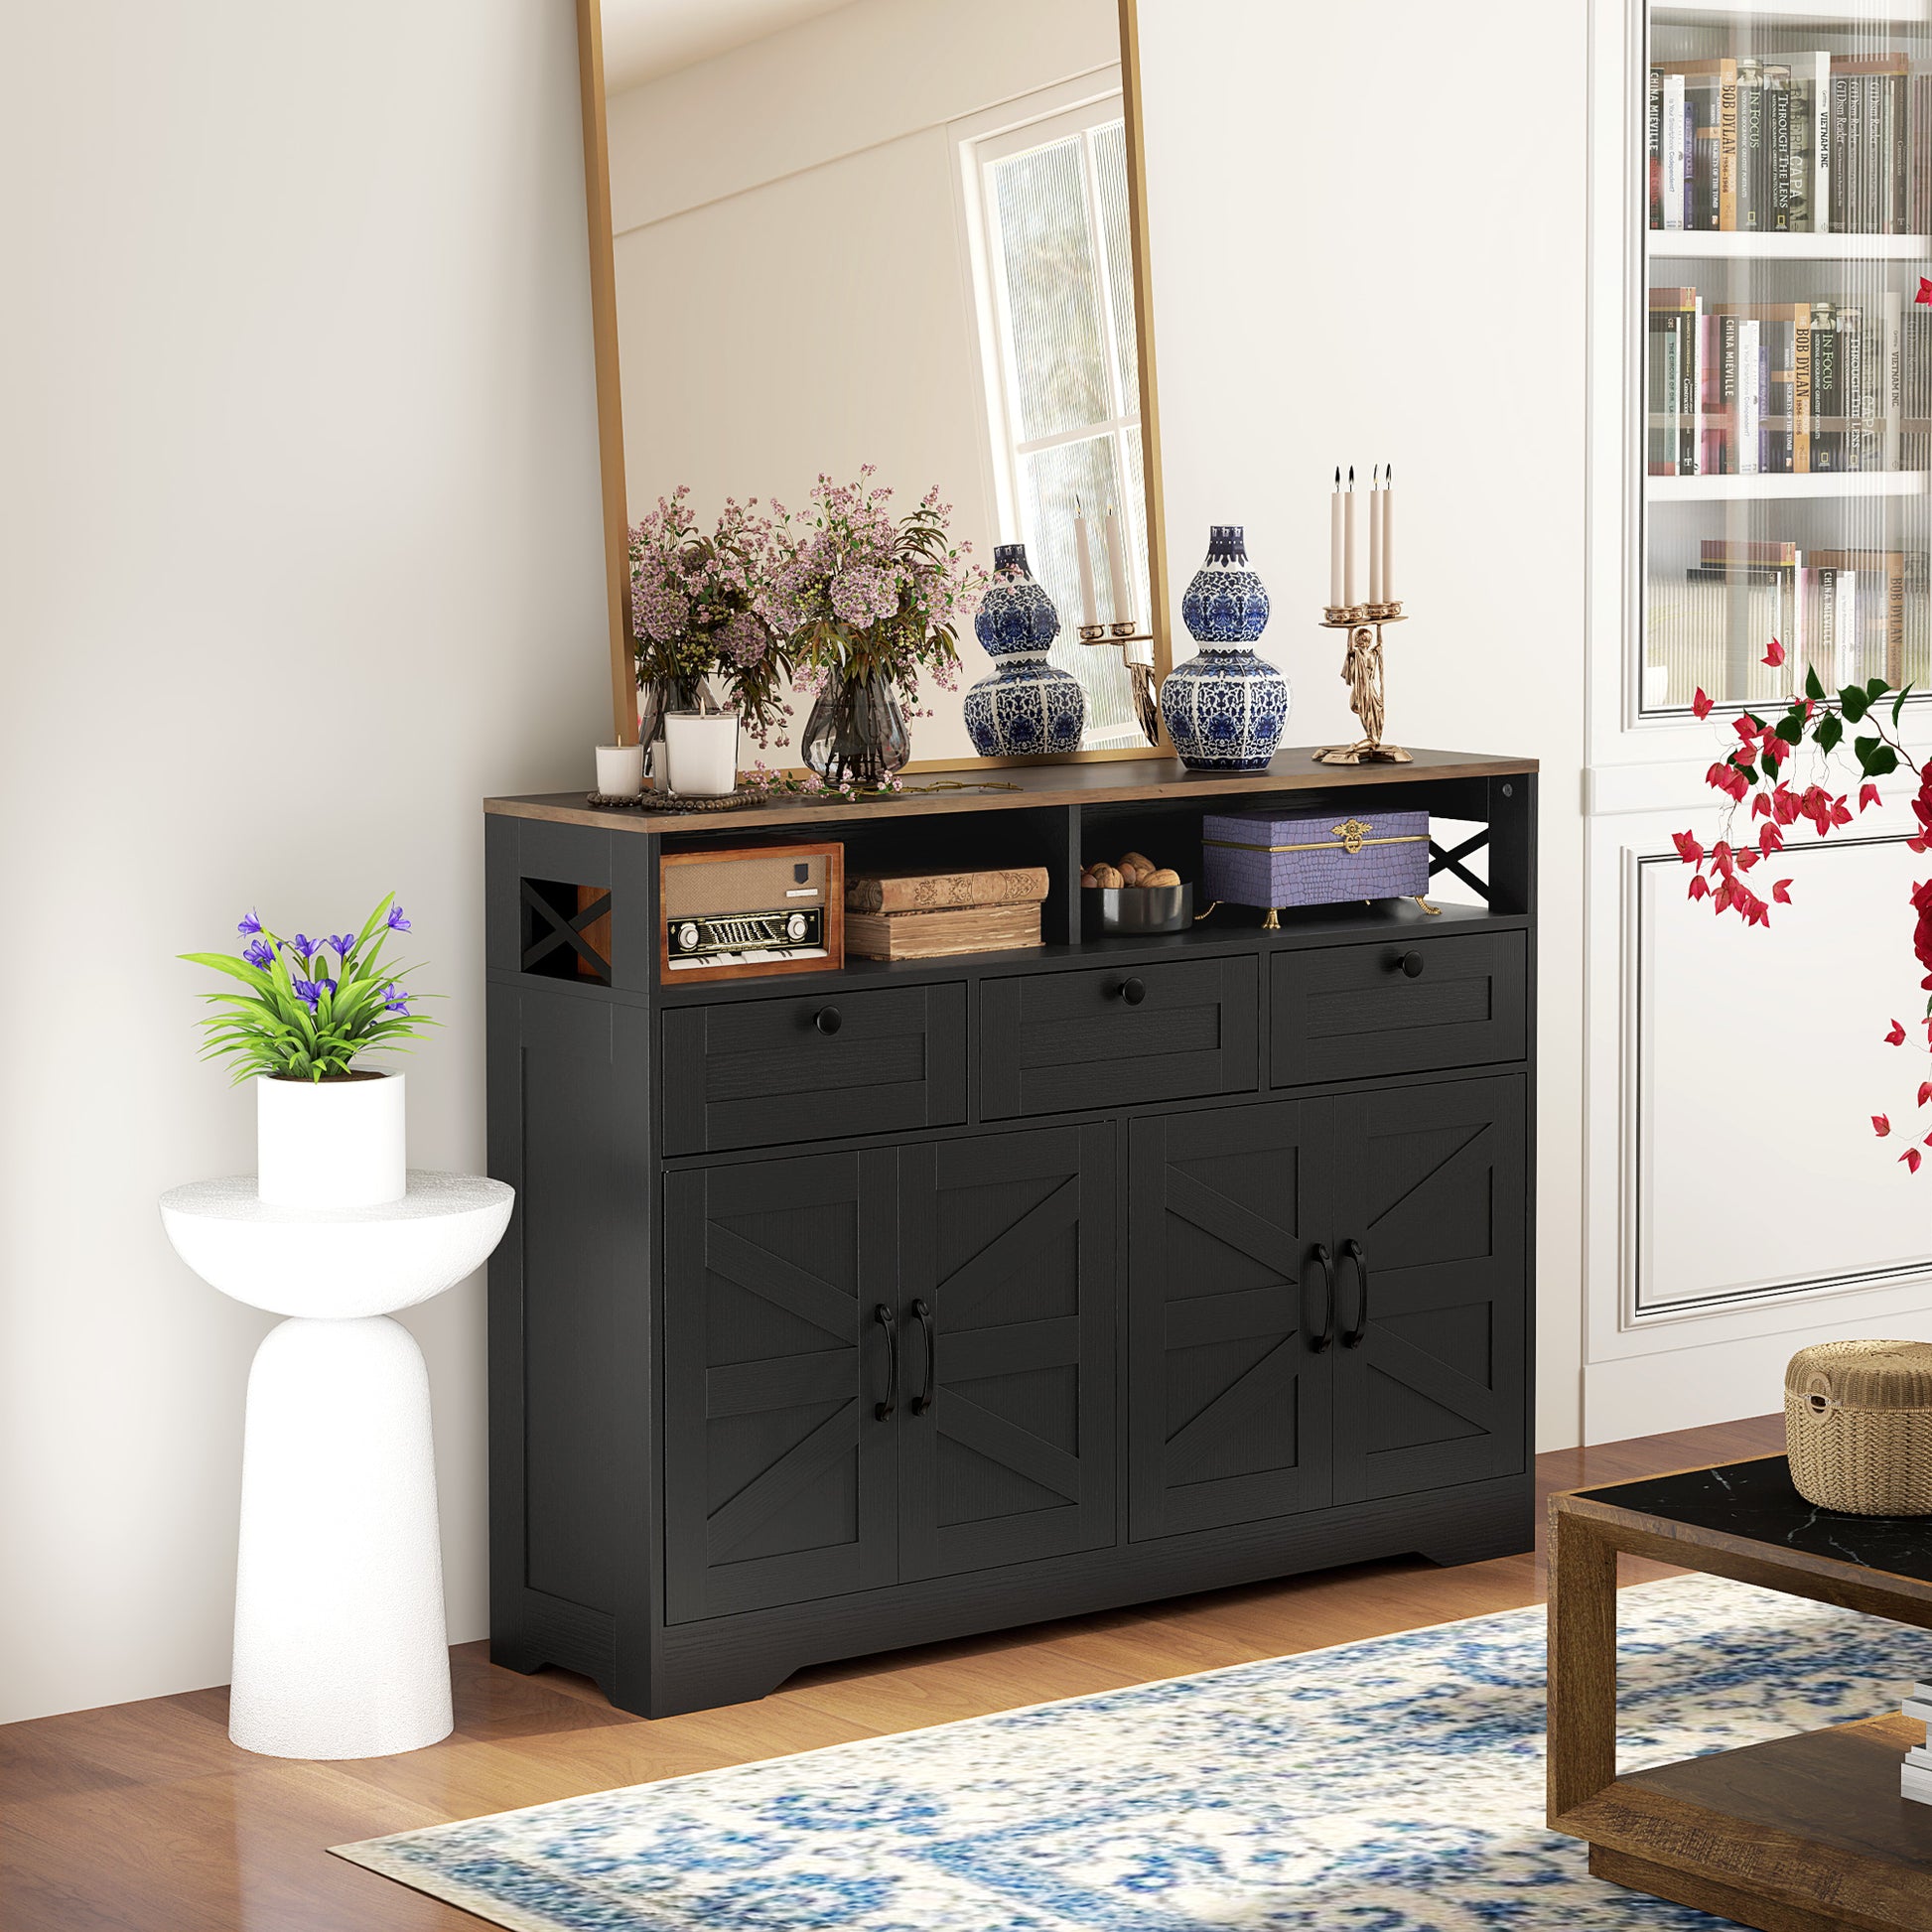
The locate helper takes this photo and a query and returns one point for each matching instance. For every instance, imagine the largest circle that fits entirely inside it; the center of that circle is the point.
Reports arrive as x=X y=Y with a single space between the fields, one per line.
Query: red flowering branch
x=1750 y=777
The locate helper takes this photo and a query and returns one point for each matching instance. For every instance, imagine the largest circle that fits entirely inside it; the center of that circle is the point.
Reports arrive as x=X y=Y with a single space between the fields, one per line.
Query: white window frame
x=1082 y=106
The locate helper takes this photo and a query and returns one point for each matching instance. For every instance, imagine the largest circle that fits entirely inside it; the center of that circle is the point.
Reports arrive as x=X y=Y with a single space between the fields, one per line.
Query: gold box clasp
x=1353 y=834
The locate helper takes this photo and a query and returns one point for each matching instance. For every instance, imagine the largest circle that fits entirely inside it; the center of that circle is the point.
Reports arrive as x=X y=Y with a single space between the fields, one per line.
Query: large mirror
x=897 y=241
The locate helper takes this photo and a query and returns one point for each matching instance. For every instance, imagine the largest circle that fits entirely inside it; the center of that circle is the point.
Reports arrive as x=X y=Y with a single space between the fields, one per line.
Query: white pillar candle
x=1374 y=537
x=1117 y=570
x=1334 y=541
x=1348 y=540
x=702 y=753
x=1388 y=534
x=1088 y=613
x=621 y=770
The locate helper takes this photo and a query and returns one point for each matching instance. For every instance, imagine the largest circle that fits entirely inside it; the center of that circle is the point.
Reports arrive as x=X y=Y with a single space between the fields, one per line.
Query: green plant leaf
x=223 y=962
x=1898 y=704
x=1829 y=729
x=1814 y=684
x=1853 y=702
x=1792 y=729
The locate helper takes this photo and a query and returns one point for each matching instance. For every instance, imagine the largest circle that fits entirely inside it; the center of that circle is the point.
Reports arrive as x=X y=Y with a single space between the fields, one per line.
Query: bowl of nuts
x=1134 y=896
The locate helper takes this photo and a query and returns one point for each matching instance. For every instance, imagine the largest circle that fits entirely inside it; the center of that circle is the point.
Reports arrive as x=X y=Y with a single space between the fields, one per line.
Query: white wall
x=1344 y=272
x=793 y=292
x=298 y=559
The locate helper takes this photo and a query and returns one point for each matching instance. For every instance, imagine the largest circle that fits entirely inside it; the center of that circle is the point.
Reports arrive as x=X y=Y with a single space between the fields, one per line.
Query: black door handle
x=1408 y=964
x=883 y=1317
x=1133 y=990
x=1352 y=1249
x=921 y=1404
x=827 y=1020
x=1326 y=1262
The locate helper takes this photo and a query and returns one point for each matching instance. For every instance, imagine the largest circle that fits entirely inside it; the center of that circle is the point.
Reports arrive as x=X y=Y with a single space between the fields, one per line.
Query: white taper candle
x=1375 y=535
x=1334 y=541
x=1388 y=534
x=1117 y=570
x=1348 y=540
x=1089 y=615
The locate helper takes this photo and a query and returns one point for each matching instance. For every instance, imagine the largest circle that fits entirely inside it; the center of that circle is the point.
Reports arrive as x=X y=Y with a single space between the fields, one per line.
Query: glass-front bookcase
x=1787 y=422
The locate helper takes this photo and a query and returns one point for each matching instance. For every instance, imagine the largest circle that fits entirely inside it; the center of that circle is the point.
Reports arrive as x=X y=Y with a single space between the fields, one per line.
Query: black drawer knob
x=827 y=1020
x=1133 y=990
x=1409 y=964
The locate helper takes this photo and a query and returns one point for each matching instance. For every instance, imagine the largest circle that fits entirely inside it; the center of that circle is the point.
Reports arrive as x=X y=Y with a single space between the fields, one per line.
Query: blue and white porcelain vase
x=1027 y=706
x=1226 y=708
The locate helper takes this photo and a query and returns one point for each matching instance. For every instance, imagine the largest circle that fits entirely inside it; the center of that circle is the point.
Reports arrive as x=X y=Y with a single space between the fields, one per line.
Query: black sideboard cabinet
x=852 y=1309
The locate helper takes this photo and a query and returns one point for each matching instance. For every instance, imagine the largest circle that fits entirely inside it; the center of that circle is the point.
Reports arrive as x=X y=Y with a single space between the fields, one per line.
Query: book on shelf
x=1876 y=647
x=1671 y=382
x=942 y=934
x=1915 y=1770
x=928 y=891
x=1763 y=591
x=1826 y=388
x=1811 y=141
x=1806 y=141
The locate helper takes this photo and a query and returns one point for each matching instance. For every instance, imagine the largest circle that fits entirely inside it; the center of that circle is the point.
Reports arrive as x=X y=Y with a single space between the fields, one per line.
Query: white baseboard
x=1688 y=1388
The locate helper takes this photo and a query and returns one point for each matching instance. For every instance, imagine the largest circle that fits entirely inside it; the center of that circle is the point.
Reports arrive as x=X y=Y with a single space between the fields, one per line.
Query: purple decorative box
x=1267 y=859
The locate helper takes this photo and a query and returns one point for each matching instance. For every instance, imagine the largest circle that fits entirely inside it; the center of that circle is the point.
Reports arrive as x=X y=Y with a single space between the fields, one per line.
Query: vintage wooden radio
x=729 y=915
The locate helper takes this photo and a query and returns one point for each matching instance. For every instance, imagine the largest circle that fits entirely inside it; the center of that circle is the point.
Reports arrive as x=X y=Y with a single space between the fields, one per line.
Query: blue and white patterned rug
x=1388 y=1786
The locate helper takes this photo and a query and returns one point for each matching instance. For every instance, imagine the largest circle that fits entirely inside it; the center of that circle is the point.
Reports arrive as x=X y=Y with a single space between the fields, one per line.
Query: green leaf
x=1898 y=704
x=226 y=963
x=1792 y=729
x=1829 y=731
x=1853 y=703
x=1875 y=757
x=1814 y=684
x=1876 y=688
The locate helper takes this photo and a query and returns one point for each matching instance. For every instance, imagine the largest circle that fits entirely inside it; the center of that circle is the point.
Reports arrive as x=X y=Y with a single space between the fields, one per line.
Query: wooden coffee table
x=1803 y=1834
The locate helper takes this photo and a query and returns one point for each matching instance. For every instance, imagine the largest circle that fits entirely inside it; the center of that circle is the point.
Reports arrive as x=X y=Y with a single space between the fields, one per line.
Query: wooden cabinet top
x=984 y=789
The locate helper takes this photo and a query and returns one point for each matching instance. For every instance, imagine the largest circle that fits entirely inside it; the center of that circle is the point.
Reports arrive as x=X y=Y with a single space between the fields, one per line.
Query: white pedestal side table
x=340 y=1644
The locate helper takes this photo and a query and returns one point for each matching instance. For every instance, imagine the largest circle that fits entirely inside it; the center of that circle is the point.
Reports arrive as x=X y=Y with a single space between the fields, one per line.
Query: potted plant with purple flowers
x=328 y=1133
x=867 y=604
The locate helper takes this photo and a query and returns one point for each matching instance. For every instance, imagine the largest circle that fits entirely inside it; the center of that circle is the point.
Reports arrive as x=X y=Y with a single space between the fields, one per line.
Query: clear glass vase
x=659 y=695
x=856 y=733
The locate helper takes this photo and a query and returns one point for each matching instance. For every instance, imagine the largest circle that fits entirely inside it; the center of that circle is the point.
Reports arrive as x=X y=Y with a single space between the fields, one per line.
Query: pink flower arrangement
x=1752 y=769
x=857 y=594
x=694 y=608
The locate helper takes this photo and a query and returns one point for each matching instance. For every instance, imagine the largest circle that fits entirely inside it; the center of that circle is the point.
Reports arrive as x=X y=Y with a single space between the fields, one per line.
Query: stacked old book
x=931 y=914
x=1915 y=1774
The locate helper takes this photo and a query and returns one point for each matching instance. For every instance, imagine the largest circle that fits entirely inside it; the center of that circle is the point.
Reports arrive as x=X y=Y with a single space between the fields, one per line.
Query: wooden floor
x=144 y=1816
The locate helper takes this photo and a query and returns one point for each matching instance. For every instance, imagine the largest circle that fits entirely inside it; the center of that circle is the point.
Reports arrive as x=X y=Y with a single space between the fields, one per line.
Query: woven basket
x=1858 y=1426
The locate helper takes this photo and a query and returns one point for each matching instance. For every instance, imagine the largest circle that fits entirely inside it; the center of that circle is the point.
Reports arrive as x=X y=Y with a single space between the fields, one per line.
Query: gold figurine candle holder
x=1361 y=671
x=1147 y=708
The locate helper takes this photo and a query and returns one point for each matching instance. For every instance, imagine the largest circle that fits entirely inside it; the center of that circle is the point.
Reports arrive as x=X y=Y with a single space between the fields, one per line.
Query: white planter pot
x=329 y=1143
x=701 y=749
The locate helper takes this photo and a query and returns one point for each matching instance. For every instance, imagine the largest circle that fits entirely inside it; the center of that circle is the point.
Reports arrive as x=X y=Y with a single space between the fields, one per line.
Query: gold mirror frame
x=610 y=407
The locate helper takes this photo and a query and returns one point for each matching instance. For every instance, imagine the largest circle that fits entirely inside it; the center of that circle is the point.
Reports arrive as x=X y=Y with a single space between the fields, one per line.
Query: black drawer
x=1397 y=1006
x=768 y=1072
x=1050 y=1043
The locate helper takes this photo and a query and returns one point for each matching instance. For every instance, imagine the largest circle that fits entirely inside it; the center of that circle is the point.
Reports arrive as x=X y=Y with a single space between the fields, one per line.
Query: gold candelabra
x=1146 y=705
x=1361 y=671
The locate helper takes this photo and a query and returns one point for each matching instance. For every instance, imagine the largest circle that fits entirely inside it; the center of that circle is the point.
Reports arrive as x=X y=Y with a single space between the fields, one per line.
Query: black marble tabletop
x=1755 y=1499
